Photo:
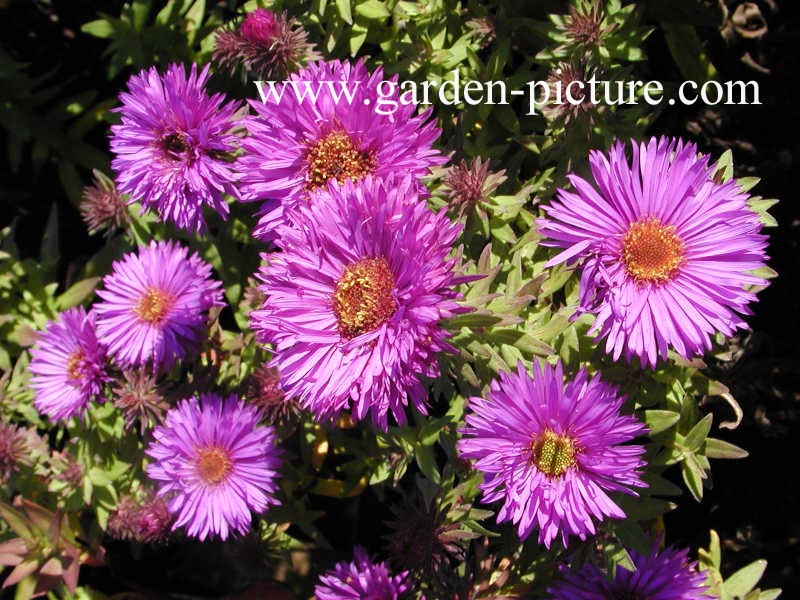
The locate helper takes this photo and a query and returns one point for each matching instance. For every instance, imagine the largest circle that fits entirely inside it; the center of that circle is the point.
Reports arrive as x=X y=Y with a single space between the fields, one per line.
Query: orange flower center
x=74 y=366
x=553 y=454
x=213 y=465
x=362 y=299
x=153 y=305
x=336 y=156
x=652 y=252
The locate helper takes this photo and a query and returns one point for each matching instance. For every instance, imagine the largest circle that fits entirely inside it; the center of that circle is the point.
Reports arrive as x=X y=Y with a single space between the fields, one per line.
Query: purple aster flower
x=67 y=365
x=154 y=305
x=296 y=147
x=552 y=452
x=214 y=465
x=355 y=299
x=173 y=147
x=667 y=575
x=361 y=580
x=666 y=249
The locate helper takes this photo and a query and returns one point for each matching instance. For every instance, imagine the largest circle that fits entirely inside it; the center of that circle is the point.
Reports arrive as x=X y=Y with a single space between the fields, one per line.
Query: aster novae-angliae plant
x=154 y=305
x=665 y=249
x=13 y=449
x=355 y=299
x=173 y=148
x=362 y=579
x=214 y=464
x=295 y=147
x=68 y=365
x=552 y=452
x=665 y=575
x=266 y=44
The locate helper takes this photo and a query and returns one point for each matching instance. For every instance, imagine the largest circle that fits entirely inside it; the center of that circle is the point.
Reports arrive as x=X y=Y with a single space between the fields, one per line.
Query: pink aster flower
x=666 y=250
x=355 y=299
x=214 y=465
x=155 y=305
x=361 y=579
x=173 y=147
x=665 y=575
x=67 y=365
x=552 y=452
x=295 y=147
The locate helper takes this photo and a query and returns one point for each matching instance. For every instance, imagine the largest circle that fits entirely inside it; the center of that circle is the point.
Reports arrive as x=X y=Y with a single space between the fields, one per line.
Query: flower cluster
x=349 y=319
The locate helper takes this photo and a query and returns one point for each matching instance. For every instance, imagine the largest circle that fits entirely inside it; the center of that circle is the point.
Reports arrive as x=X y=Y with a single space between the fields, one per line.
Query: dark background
x=754 y=502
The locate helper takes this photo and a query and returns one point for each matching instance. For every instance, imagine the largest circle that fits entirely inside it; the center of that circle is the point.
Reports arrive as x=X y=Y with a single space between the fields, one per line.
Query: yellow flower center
x=74 y=366
x=652 y=252
x=553 y=454
x=213 y=465
x=336 y=156
x=153 y=305
x=362 y=299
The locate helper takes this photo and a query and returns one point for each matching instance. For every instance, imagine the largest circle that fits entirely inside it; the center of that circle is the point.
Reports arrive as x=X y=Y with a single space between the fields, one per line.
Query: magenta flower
x=67 y=365
x=296 y=147
x=266 y=44
x=361 y=580
x=665 y=249
x=552 y=452
x=155 y=304
x=214 y=465
x=355 y=299
x=667 y=575
x=174 y=146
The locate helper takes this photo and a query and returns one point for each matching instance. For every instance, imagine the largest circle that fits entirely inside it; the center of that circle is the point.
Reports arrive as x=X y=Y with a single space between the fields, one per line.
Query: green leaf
x=343 y=6
x=693 y=476
x=357 y=39
x=745 y=579
x=15 y=521
x=100 y=28
x=194 y=19
x=688 y=52
x=695 y=438
x=426 y=460
x=660 y=420
x=77 y=293
x=373 y=9
x=721 y=449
